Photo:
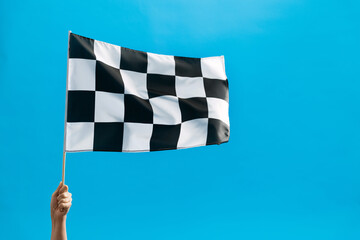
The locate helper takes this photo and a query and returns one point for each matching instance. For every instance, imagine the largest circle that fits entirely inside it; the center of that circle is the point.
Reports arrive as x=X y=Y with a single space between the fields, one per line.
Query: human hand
x=60 y=202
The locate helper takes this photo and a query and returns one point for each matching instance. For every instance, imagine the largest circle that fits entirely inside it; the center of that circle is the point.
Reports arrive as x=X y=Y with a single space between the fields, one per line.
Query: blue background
x=290 y=170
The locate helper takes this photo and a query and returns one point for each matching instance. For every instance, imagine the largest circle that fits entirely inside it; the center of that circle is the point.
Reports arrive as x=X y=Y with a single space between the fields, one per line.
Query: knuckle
x=61 y=196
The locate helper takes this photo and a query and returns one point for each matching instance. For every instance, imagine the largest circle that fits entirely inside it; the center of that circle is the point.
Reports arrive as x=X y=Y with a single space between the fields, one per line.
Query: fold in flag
x=123 y=100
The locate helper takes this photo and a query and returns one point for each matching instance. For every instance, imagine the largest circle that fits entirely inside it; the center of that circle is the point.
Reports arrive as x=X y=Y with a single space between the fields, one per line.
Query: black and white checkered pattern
x=124 y=100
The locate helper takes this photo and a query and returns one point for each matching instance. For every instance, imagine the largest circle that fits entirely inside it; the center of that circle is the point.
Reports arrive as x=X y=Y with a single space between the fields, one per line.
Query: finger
x=63 y=189
x=64 y=200
x=64 y=206
x=64 y=195
x=57 y=189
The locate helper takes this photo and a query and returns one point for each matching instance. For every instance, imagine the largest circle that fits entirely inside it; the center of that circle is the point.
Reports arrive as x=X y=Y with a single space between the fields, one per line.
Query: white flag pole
x=66 y=103
x=63 y=168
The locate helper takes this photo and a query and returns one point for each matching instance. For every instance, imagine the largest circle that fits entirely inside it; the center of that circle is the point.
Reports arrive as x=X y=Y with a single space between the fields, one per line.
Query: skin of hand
x=60 y=202
x=59 y=207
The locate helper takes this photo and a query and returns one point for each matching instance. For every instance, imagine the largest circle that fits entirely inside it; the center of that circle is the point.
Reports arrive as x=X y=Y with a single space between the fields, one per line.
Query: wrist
x=58 y=221
x=58 y=230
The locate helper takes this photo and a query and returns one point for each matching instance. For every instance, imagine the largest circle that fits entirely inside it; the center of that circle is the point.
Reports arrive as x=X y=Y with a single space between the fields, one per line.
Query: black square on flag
x=81 y=106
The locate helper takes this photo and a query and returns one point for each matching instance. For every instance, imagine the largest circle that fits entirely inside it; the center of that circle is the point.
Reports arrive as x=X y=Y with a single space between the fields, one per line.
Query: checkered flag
x=125 y=100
